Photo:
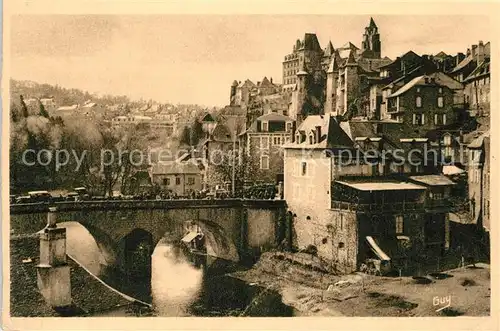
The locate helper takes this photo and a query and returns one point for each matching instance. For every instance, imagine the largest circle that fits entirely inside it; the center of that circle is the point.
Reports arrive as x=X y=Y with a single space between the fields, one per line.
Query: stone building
x=180 y=178
x=353 y=205
x=479 y=179
x=474 y=56
x=477 y=89
x=392 y=76
x=307 y=53
x=264 y=140
x=423 y=102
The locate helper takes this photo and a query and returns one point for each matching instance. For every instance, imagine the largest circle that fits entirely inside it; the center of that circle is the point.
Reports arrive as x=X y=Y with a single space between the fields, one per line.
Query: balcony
x=378 y=208
x=395 y=207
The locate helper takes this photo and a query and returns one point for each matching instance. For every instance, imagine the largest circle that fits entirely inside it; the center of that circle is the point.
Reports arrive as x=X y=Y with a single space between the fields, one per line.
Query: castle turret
x=301 y=93
x=371 y=46
x=332 y=76
x=232 y=95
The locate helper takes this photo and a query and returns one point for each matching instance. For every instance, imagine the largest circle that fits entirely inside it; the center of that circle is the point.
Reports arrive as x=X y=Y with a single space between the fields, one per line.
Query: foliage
x=84 y=142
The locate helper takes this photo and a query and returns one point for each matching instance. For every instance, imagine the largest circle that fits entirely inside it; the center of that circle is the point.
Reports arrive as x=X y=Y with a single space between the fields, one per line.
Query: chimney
x=468 y=51
x=480 y=52
x=474 y=52
x=460 y=57
x=271 y=80
x=318 y=134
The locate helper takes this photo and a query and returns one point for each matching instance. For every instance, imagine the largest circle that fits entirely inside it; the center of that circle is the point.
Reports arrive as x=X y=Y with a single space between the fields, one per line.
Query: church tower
x=370 y=46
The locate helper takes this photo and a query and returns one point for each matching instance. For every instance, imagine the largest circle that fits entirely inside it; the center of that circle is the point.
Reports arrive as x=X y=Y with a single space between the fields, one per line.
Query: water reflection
x=175 y=282
x=176 y=287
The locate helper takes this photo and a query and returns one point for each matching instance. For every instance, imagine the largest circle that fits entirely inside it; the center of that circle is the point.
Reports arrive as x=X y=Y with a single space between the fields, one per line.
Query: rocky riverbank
x=312 y=292
x=90 y=297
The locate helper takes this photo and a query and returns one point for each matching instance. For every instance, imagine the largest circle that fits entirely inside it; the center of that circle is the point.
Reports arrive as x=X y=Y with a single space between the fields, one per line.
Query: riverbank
x=312 y=292
x=27 y=301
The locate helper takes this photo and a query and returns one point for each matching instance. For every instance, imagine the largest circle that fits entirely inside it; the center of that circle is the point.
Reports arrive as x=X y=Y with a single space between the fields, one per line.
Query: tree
x=24 y=108
x=43 y=112
x=196 y=133
x=185 y=136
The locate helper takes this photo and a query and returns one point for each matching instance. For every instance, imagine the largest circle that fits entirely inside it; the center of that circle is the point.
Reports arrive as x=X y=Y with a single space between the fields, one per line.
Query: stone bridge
x=235 y=229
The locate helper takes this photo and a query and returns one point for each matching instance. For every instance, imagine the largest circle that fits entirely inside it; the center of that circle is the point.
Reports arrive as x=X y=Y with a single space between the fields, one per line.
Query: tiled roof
x=274 y=117
x=332 y=136
x=173 y=167
x=463 y=63
x=482 y=69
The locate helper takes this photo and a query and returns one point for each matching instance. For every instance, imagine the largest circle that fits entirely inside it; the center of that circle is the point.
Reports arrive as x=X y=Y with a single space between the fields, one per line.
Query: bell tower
x=371 y=46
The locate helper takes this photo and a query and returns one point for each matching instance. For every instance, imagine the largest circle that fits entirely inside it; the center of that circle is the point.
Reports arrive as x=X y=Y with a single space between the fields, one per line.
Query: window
x=418 y=102
x=304 y=168
x=190 y=181
x=399 y=224
x=440 y=102
x=440 y=90
x=444 y=119
x=177 y=181
x=341 y=222
x=341 y=245
x=264 y=142
x=288 y=125
x=418 y=119
x=265 y=126
x=277 y=141
x=166 y=181
x=264 y=162
x=436 y=119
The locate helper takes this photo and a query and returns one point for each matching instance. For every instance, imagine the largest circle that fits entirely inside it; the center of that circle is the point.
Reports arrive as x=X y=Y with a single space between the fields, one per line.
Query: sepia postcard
x=249 y=165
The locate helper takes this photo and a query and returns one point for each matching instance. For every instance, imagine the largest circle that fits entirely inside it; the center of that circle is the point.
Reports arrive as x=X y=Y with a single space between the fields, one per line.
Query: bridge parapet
x=29 y=208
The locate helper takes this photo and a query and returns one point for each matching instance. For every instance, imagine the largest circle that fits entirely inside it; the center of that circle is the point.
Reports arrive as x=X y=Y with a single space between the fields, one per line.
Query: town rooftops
x=424 y=80
x=433 y=180
x=483 y=69
x=331 y=135
x=463 y=63
x=382 y=185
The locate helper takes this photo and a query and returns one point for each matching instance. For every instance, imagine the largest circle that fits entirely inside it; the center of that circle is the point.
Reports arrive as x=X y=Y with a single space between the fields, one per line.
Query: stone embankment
x=90 y=296
x=304 y=285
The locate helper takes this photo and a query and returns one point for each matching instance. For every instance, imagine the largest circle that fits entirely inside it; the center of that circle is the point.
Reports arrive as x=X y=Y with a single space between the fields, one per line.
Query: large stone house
x=179 y=178
x=263 y=142
x=352 y=204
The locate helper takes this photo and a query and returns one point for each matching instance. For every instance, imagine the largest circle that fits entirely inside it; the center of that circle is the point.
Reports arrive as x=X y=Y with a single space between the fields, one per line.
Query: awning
x=376 y=249
x=382 y=186
x=189 y=237
x=433 y=180
x=452 y=170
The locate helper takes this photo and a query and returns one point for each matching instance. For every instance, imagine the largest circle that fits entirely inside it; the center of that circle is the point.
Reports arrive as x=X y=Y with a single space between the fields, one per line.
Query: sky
x=193 y=59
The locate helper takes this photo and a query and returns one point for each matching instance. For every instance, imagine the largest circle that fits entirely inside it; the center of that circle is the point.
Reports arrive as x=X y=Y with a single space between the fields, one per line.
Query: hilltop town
x=383 y=163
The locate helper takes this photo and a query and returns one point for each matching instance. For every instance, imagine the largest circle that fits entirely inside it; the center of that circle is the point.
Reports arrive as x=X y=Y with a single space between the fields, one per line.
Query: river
x=176 y=287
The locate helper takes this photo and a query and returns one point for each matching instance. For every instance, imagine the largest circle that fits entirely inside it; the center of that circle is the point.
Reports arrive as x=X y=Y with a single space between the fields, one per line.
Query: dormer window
x=297 y=138
x=288 y=126
x=265 y=126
